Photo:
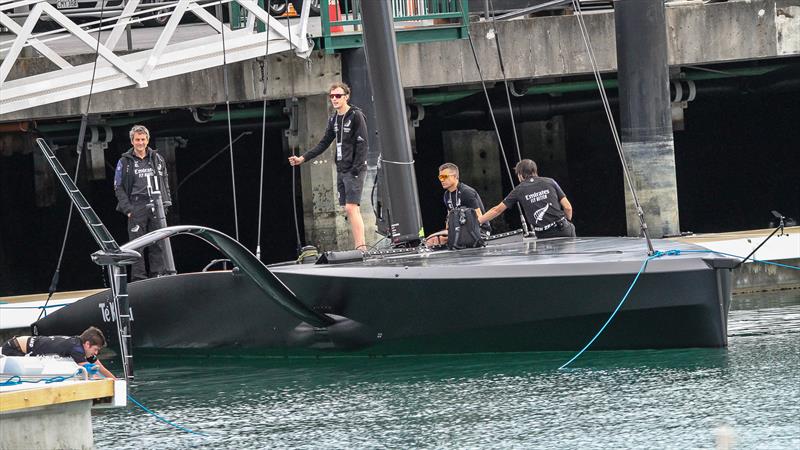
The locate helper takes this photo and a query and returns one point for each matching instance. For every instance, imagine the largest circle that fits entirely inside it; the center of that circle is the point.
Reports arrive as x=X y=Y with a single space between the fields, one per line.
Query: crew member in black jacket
x=140 y=172
x=348 y=127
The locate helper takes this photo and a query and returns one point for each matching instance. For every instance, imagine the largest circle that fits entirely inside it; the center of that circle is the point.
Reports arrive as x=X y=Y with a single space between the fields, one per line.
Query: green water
x=637 y=399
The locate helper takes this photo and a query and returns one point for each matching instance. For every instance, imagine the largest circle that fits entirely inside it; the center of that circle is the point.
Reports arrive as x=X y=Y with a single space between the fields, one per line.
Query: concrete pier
x=51 y=416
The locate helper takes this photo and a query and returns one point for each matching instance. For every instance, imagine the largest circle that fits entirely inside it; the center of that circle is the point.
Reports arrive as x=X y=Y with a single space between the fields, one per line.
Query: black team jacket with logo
x=354 y=140
x=123 y=178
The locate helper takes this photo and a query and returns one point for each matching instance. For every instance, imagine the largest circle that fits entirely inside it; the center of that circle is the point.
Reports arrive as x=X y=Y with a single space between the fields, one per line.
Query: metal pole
x=397 y=163
x=161 y=216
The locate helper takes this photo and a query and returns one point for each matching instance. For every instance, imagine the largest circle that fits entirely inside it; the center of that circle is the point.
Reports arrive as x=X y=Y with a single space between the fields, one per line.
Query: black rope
x=230 y=132
x=79 y=148
x=264 y=74
x=294 y=168
x=208 y=161
x=781 y=219
x=505 y=81
x=612 y=124
x=497 y=130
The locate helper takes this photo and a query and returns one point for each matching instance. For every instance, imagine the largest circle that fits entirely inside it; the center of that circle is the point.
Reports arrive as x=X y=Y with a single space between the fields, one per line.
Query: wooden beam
x=53 y=395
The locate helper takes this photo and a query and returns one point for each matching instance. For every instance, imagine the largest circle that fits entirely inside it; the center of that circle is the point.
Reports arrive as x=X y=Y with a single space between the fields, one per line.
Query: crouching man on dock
x=543 y=202
x=82 y=349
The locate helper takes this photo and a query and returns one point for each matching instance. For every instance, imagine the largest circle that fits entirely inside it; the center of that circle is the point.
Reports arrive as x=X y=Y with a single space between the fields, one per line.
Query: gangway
x=115 y=70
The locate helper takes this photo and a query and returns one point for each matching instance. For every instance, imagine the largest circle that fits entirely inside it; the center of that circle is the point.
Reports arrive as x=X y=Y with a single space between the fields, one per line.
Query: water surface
x=615 y=399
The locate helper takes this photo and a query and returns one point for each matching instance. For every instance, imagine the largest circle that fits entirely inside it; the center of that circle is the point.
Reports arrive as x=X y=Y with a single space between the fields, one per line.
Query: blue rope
x=144 y=408
x=16 y=379
x=659 y=254
x=34 y=307
x=624 y=297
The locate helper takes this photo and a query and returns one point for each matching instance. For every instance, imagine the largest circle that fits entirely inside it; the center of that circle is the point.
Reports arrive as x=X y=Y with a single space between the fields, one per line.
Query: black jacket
x=354 y=140
x=123 y=179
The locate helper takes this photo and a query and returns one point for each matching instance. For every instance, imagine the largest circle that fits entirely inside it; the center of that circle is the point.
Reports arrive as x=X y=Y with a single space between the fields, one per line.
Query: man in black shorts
x=544 y=203
x=348 y=127
x=456 y=194
x=82 y=349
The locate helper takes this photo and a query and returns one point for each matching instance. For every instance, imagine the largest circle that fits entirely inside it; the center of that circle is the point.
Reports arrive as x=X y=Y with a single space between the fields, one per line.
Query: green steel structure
x=415 y=21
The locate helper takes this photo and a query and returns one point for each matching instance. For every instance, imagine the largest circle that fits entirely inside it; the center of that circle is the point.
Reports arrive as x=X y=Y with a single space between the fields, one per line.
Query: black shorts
x=349 y=186
x=11 y=348
x=564 y=228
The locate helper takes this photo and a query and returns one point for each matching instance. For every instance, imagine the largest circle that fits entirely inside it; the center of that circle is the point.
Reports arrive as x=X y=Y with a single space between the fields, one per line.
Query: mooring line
x=172 y=424
x=655 y=255
x=34 y=307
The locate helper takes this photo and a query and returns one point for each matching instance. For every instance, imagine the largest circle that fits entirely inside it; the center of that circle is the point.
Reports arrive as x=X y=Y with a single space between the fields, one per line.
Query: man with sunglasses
x=348 y=127
x=456 y=194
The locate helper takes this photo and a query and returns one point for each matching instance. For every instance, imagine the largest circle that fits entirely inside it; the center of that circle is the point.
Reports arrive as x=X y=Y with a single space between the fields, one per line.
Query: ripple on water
x=625 y=399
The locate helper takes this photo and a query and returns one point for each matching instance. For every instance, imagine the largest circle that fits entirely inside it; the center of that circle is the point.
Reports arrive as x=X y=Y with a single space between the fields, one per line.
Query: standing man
x=544 y=203
x=456 y=194
x=348 y=127
x=140 y=173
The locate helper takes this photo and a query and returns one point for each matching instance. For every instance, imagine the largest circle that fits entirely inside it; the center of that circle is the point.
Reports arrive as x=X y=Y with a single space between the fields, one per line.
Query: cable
x=230 y=132
x=208 y=161
x=81 y=136
x=658 y=254
x=497 y=130
x=294 y=168
x=607 y=108
x=264 y=74
x=505 y=80
x=172 y=424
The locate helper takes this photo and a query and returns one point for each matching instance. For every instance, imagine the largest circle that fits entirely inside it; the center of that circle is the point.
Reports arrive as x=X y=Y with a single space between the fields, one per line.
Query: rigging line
x=497 y=130
x=79 y=147
x=208 y=161
x=228 y=108
x=264 y=74
x=294 y=168
x=607 y=108
x=505 y=80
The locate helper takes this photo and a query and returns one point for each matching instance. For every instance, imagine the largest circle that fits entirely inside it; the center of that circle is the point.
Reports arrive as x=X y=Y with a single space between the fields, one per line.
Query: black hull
x=510 y=298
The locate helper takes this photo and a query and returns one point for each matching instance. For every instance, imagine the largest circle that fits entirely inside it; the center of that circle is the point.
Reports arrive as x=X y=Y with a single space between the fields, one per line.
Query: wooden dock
x=56 y=415
x=782 y=248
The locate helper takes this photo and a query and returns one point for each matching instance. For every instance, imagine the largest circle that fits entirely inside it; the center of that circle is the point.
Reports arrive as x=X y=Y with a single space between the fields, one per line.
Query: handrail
x=415 y=21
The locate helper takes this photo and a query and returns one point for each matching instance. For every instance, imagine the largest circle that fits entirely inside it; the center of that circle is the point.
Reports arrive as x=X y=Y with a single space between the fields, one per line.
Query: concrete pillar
x=477 y=155
x=324 y=219
x=67 y=425
x=545 y=142
x=645 y=119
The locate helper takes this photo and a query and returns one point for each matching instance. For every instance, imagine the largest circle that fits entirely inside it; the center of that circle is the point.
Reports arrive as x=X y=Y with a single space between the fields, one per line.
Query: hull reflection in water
x=507 y=297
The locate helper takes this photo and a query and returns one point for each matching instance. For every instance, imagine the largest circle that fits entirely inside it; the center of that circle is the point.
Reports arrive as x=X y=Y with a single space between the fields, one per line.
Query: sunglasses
x=336 y=95
x=444 y=176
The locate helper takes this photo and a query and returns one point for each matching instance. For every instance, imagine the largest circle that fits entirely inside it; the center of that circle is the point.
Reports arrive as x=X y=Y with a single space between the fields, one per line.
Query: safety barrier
x=415 y=21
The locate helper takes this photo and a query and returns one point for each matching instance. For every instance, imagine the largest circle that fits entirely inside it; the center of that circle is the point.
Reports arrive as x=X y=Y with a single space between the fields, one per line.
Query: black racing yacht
x=515 y=294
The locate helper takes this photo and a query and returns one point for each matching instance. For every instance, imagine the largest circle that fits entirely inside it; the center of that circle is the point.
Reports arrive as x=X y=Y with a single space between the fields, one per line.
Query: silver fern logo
x=539 y=214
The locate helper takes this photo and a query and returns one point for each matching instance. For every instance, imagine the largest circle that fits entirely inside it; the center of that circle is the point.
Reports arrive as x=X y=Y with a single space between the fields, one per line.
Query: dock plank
x=56 y=394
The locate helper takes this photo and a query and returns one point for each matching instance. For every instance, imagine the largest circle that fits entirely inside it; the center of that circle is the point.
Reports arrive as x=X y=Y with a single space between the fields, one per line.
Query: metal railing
x=415 y=21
